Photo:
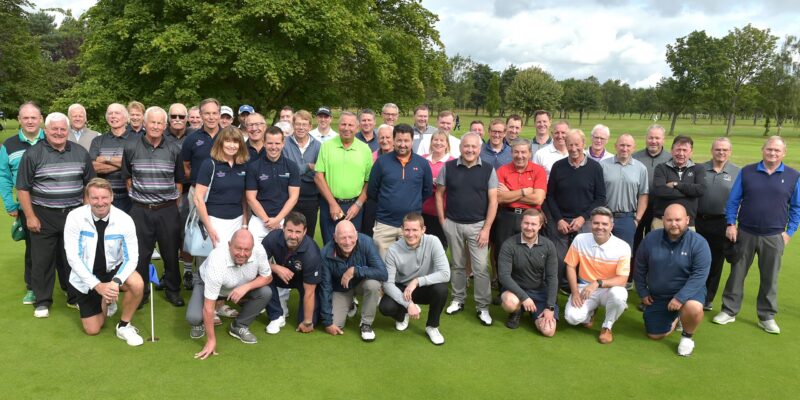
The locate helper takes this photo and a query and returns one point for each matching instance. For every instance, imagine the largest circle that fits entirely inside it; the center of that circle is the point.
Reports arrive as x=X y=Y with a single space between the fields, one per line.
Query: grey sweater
x=428 y=263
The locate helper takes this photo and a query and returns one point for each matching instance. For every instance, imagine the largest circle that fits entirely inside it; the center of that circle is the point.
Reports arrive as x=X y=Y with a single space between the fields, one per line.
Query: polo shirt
x=533 y=176
x=624 y=184
x=323 y=138
x=429 y=205
x=196 y=148
x=170 y=137
x=302 y=157
x=110 y=145
x=227 y=189
x=271 y=180
x=650 y=162
x=547 y=156
x=467 y=193
x=345 y=169
x=373 y=144
x=221 y=275
x=718 y=187
x=55 y=179
x=399 y=187
x=575 y=192
x=599 y=261
x=304 y=261
x=419 y=134
x=764 y=203
x=254 y=154
x=535 y=146
x=521 y=268
x=496 y=158
x=154 y=171
x=603 y=156
x=10 y=155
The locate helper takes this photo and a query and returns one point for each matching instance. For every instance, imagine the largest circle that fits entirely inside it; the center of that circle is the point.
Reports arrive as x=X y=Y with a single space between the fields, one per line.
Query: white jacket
x=80 y=243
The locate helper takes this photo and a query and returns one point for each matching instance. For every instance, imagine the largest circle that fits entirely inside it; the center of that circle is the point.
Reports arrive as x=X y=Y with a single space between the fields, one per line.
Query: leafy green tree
x=493 y=95
x=534 y=89
x=778 y=85
x=481 y=75
x=506 y=78
x=615 y=96
x=458 y=79
x=581 y=95
x=21 y=67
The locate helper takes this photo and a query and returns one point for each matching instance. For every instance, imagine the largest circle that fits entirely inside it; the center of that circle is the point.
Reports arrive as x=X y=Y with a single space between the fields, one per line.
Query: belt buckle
x=518 y=211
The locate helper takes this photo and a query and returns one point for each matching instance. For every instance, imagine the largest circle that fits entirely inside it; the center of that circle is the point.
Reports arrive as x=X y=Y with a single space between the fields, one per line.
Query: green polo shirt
x=345 y=170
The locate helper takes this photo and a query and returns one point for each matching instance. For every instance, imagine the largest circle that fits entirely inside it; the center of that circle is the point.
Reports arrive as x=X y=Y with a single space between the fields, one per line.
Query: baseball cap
x=324 y=111
x=225 y=110
x=246 y=108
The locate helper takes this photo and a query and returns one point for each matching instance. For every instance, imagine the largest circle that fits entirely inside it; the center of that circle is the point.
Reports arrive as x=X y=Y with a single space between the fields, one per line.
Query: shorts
x=658 y=319
x=91 y=304
x=539 y=298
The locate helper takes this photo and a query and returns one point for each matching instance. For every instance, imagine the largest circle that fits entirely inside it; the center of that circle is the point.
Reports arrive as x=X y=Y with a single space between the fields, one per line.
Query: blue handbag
x=196 y=240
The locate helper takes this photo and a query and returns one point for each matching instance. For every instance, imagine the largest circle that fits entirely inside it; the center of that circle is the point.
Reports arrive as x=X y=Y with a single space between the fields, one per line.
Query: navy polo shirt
x=227 y=190
x=254 y=154
x=272 y=181
x=196 y=149
x=304 y=261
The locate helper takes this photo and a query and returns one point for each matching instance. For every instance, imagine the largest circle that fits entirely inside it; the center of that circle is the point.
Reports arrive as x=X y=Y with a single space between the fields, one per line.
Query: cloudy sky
x=610 y=39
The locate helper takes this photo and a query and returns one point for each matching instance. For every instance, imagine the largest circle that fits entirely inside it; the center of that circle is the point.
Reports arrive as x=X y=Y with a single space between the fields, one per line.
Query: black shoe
x=513 y=319
x=641 y=307
x=175 y=299
x=160 y=285
x=188 y=280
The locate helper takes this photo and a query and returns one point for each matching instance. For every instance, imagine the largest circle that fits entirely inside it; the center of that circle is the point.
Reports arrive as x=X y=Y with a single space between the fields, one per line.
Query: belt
x=710 y=216
x=57 y=209
x=346 y=201
x=155 y=206
x=514 y=210
x=624 y=214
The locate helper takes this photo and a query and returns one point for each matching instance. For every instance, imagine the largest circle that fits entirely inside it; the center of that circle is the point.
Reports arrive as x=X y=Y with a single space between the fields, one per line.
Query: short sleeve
x=204 y=175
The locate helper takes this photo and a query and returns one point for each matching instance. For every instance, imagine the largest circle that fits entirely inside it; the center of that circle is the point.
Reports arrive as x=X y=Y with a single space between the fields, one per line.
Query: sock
x=687 y=334
x=187 y=266
x=122 y=323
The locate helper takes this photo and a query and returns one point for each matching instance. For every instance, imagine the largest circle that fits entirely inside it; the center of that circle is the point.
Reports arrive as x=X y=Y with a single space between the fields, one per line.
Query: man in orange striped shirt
x=598 y=265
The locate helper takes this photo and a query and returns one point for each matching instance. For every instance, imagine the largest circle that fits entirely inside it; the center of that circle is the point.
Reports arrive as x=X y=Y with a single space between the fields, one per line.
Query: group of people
x=549 y=214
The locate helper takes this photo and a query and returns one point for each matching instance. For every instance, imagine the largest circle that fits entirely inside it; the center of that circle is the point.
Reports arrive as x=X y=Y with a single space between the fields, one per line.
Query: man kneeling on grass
x=528 y=270
x=101 y=247
x=672 y=266
x=418 y=273
x=236 y=271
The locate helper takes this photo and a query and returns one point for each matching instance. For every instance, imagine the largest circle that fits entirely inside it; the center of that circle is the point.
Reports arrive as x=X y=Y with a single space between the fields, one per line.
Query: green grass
x=52 y=358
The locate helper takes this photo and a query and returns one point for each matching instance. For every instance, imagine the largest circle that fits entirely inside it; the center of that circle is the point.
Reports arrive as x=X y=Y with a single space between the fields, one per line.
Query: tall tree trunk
x=672 y=125
x=694 y=118
x=755 y=118
x=580 y=116
x=766 y=126
x=731 y=115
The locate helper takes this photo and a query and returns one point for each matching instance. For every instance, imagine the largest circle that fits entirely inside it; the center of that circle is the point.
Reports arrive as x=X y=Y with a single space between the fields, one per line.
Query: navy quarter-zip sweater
x=667 y=269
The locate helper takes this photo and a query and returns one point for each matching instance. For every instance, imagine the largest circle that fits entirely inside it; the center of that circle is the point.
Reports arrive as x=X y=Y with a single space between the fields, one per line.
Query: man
x=236 y=271
x=477 y=127
x=50 y=181
x=225 y=117
x=574 y=189
x=323 y=131
x=765 y=199
x=720 y=174
x=445 y=124
x=542 y=139
x=418 y=273
x=342 y=169
x=626 y=188
x=671 y=270
x=256 y=128
x=286 y=114
x=368 y=134
x=514 y=128
x=399 y=182
x=244 y=111
x=195 y=119
x=272 y=185
x=389 y=114
x=106 y=152
x=556 y=150
x=652 y=155
x=153 y=175
x=303 y=150
x=597 y=149
x=78 y=131
x=135 y=113
x=30 y=118
x=101 y=247
x=678 y=180
x=351 y=266
x=496 y=151
x=528 y=270
x=469 y=188
x=598 y=265
x=177 y=133
x=421 y=127
x=295 y=264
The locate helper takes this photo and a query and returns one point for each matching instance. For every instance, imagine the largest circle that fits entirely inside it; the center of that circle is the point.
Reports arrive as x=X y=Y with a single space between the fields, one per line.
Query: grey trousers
x=769 y=250
x=257 y=300
x=461 y=236
x=369 y=290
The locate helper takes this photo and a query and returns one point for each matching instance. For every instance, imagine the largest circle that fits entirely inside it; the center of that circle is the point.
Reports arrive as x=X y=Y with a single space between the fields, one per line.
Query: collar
x=666 y=239
x=590 y=154
x=95 y=219
x=546 y=142
x=360 y=135
x=67 y=146
x=617 y=161
x=689 y=164
x=458 y=162
x=488 y=147
x=583 y=163
x=24 y=139
x=148 y=144
x=760 y=167
x=522 y=240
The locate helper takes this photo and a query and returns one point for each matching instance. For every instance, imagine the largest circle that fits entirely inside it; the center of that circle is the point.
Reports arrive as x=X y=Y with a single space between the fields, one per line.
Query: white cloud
x=650 y=81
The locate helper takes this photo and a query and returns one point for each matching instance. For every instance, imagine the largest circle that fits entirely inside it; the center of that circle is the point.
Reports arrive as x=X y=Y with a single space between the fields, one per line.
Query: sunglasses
x=173 y=116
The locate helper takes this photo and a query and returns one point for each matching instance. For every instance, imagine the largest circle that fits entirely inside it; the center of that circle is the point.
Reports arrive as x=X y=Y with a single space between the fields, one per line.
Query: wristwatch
x=599 y=283
x=551 y=308
x=117 y=281
x=108 y=158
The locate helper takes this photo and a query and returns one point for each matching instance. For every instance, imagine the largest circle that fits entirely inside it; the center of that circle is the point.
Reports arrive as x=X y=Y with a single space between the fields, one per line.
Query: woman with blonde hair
x=440 y=154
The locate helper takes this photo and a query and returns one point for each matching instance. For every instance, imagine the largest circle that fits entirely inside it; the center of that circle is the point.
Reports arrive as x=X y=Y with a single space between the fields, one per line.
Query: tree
x=581 y=95
x=21 y=68
x=481 y=75
x=748 y=51
x=493 y=95
x=778 y=85
x=278 y=52
x=458 y=80
x=615 y=96
x=506 y=78
x=534 y=89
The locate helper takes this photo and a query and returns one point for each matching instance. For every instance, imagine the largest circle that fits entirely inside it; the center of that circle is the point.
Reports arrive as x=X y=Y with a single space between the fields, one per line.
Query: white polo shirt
x=221 y=275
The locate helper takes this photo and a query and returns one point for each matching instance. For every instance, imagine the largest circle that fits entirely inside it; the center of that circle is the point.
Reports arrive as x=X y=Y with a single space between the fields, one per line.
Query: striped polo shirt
x=10 y=155
x=153 y=171
x=55 y=179
x=596 y=261
x=110 y=145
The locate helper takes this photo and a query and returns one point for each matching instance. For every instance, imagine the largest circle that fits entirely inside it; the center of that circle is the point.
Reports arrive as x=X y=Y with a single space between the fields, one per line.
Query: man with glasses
x=389 y=113
x=597 y=150
x=256 y=128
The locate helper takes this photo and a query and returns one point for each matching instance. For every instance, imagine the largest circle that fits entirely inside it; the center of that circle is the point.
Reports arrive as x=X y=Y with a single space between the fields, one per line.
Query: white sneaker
x=367 y=334
x=434 y=335
x=769 y=326
x=723 y=318
x=156 y=255
x=353 y=309
x=274 y=326
x=41 y=312
x=454 y=307
x=401 y=325
x=484 y=316
x=112 y=309
x=686 y=346
x=130 y=335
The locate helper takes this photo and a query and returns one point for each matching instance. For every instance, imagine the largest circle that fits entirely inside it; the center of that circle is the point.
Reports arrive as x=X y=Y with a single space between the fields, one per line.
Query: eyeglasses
x=174 y=116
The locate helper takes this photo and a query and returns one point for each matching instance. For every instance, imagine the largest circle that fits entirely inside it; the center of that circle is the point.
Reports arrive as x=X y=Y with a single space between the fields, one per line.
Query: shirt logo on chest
x=199 y=142
x=221 y=174
x=263 y=177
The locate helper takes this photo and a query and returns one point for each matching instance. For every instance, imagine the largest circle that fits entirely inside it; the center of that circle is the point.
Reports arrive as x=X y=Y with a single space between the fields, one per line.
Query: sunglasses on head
x=174 y=116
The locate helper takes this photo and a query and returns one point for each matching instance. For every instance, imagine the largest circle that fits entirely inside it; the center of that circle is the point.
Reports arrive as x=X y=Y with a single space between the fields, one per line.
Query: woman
x=225 y=210
x=440 y=154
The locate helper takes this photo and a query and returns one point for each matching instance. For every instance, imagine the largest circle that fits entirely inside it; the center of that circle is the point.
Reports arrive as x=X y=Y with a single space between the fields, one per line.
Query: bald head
x=241 y=246
x=676 y=221
x=345 y=236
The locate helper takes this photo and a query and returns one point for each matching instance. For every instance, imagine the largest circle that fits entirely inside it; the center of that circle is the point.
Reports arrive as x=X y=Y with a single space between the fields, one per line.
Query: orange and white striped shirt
x=596 y=261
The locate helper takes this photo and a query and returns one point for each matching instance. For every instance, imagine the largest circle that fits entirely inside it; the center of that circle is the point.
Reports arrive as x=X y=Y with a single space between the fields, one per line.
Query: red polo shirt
x=534 y=177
